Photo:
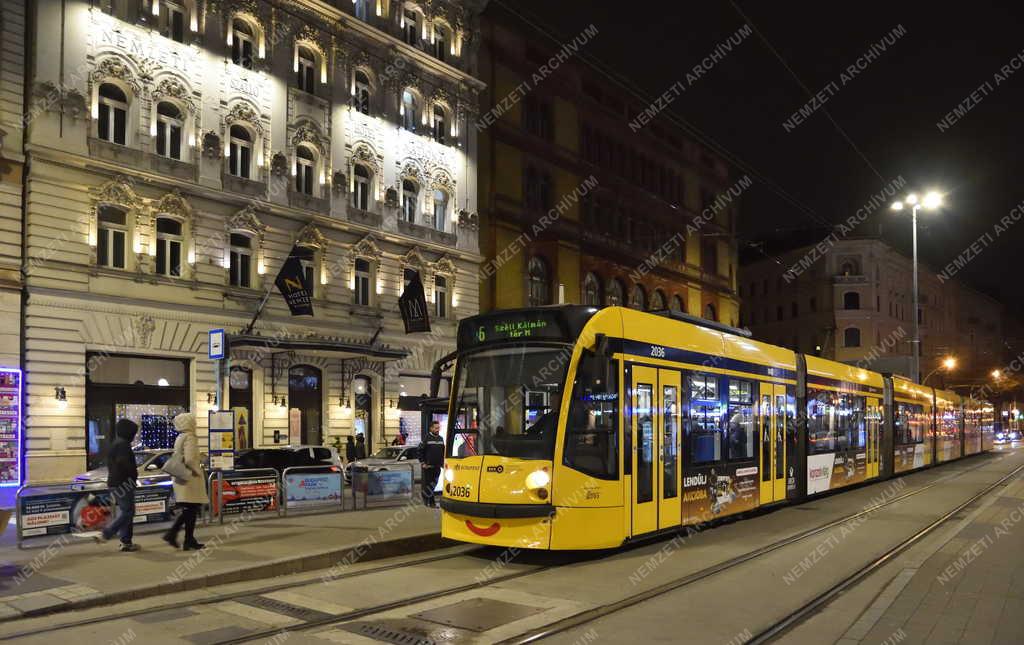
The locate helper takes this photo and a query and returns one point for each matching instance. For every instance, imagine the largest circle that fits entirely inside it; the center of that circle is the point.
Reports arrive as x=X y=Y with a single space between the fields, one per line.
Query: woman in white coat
x=190 y=494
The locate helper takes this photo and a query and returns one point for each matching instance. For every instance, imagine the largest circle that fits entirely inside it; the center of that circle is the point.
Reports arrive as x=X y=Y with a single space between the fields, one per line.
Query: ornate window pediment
x=114 y=68
x=246 y=220
x=311 y=236
x=173 y=88
x=441 y=180
x=445 y=266
x=243 y=112
x=173 y=204
x=118 y=191
x=365 y=248
x=308 y=133
x=414 y=260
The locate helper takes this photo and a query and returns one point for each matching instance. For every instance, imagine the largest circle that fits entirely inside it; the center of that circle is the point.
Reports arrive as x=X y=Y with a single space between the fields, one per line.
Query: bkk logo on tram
x=710 y=494
x=835 y=470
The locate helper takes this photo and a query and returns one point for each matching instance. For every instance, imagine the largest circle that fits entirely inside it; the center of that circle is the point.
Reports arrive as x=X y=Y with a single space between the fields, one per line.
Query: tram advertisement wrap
x=249 y=495
x=72 y=511
x=835 y=470
x=713 y=492
x=909 y=457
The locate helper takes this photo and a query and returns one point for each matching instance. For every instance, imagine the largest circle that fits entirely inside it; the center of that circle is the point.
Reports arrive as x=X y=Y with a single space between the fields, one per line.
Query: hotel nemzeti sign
x=143 y=49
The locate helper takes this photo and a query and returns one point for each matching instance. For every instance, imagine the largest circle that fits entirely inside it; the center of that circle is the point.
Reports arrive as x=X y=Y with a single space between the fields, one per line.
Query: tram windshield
x=507 y=402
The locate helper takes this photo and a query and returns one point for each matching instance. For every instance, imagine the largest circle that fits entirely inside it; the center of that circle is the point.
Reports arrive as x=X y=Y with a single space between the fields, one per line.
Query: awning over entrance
x=316 y=346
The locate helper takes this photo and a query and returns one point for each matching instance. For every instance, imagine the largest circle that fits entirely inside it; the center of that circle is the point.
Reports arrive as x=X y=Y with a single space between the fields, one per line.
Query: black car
x=288 y=456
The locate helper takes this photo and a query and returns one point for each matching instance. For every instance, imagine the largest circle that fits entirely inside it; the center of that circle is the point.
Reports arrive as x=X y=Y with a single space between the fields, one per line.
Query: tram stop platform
x=964 y=584
x=71 y=572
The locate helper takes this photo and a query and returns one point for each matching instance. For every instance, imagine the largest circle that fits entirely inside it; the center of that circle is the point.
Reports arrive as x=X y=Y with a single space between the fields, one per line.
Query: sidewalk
x=74 y=572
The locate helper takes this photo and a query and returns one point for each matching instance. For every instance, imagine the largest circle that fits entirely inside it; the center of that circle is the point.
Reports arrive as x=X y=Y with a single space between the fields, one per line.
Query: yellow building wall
x=693 y=303
x=566 y=125
x=565 y=184
x=569 y=273
x=509 y=170
x=505 y=84
x=509 y=282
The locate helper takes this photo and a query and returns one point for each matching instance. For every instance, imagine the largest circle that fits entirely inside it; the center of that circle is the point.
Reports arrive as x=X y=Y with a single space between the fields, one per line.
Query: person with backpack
x=122 y=474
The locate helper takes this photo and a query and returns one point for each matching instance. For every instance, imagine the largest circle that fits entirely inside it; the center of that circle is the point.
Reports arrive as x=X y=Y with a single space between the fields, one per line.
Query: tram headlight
x=538 y=479
x=449 y=475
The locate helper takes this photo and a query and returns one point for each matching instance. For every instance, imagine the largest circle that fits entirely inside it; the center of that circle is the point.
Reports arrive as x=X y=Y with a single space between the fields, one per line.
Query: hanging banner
x=293 y=284
x=413 y=306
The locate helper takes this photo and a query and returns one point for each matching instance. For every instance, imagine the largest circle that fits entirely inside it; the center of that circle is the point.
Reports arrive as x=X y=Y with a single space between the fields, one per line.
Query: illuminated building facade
x=178 y=149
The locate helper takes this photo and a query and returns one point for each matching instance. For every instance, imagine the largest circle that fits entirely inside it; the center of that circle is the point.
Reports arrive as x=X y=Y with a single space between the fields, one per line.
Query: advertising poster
x=222 y=440
x=241 y=428
x=312 y=489
x=252 y=495
x=74 y=511
x=710 y=493
x=834 y=470
x=389 y=483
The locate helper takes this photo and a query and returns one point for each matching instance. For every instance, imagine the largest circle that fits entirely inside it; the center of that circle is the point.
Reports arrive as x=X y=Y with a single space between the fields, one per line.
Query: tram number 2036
x=458 y=491
x=657 y=351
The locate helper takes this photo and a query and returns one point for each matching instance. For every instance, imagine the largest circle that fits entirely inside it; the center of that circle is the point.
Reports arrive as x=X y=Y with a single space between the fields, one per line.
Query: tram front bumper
x=525 y=526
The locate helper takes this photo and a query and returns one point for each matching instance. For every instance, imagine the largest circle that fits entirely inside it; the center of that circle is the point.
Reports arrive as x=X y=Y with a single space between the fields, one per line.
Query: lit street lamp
x=931 y=201
x=948 y=364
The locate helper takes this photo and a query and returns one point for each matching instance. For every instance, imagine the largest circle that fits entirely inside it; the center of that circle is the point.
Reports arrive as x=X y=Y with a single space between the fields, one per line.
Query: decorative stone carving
x=445 y=266
x=279 y=164
x=339 y=183
x=468 y=220
x=118 y=192
x=307 y=133
x=243 y=112
x=246 y=220
x=173 y=88
x=142 y=329
x=310 y=235
x=115 y=68
x=211 y=145
x=443 y=181
x=363 y=154
x=414 y=259
x=173 y=204
x=365 y=248
x=314 y=37
x=74 y=105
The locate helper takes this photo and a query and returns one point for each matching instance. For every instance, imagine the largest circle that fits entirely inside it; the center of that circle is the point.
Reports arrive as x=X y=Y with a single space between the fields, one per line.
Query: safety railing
x=383 y=485
x=312 y=488
x=60 y=509
x=249 y=490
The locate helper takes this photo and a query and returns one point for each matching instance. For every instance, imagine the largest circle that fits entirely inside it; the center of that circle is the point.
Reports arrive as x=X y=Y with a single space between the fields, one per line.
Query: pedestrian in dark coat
x=431 y=455
x=360 y=446
x=350 y=449
x=121 y=476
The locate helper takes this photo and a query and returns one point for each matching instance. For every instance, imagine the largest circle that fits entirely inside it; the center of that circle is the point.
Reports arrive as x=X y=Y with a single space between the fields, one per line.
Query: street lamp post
x=931 y=201
x=948 y=364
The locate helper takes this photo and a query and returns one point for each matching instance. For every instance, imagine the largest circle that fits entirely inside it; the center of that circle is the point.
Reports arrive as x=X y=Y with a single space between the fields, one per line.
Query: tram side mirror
x=601 y=345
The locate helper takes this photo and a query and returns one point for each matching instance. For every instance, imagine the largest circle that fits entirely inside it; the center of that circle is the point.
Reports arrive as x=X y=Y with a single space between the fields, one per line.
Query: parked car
x=289 y=456
x=149 y=463
x=1006 y=436
x=390 y=456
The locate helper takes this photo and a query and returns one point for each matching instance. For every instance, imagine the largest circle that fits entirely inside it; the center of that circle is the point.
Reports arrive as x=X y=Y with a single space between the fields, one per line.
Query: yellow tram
x=573 y=427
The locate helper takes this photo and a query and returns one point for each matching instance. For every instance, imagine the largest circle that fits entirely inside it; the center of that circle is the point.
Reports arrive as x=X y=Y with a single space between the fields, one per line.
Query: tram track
x=592 y=614
x=529 y=637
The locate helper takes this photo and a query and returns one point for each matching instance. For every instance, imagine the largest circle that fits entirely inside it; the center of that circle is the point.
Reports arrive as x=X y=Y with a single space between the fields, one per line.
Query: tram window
x=704 y=387
x=645 y=437
x=821 y=411
x=910 y=423
x=670 y=440
x=592 y=434
x=853 y=411
x=703 y=424
x=507 y=403
x=741 y=431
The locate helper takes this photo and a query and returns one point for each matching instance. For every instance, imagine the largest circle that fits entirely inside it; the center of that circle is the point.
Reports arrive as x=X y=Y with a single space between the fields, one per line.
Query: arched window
x=361 y=189
x=538 y=277
x=440 y=135
x=851 y=337
x=169 y=128
x=410 y=196
x=440 y=209
x=710 y=313
x=851 y=300
x=305 y=170
x=440 y=297
x=591 y=290
x=168 y=247
x=614 y=293
x=243 y=43
x=240 y=152
x=111 y=237
x=113 y=114
x=362 y=282
x=240 y=265
x=676 y=304
x=638 y=297
x=361 y=92
x=305 y=69
x=410 y=110
x=657 y=300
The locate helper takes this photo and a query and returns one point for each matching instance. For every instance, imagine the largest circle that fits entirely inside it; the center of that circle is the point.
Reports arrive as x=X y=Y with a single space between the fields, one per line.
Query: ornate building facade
x=12 y=168
x=178 y=150
x=577 y=205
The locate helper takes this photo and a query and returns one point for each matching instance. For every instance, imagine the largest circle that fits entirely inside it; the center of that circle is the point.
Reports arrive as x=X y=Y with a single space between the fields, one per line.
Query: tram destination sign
x=512 y=326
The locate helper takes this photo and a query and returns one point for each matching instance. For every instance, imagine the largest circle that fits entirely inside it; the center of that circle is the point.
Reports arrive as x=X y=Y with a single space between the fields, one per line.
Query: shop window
x=305 y=398
x=112 y=124
x=361 y=92
x=361 y=188
x=240 y=400
x=305 y=170
x=591 y=440
x=410 y=197
x=362 y=421
x=539 y=282
x=240 y=152
x=169 y=128
x=168 y=247
x=111 y=237
x=240 y=264
x=361 y=282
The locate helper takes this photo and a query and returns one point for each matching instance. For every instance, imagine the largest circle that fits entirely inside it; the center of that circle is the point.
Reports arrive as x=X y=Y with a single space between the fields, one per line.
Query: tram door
x=873 y=420
x=772 y=419
x=656 y=441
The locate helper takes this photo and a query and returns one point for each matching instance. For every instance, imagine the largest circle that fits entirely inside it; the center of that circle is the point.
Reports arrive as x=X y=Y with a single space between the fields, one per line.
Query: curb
x=274 y=568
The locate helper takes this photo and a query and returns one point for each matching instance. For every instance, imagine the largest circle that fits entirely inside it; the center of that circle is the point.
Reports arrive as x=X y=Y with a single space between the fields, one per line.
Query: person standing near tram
x=431 y=455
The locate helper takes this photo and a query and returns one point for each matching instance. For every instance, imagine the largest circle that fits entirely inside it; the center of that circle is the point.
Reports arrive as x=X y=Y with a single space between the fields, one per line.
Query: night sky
x=889 y=110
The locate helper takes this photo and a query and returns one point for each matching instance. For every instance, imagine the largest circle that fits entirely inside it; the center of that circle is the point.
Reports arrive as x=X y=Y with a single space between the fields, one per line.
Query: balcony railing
x=850 y=279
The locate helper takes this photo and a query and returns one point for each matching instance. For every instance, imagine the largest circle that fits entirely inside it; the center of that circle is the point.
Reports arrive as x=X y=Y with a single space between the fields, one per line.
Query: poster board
x=222 y=440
